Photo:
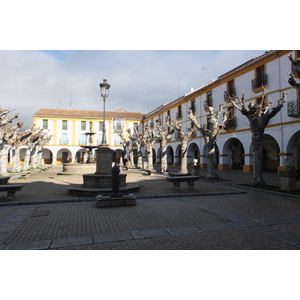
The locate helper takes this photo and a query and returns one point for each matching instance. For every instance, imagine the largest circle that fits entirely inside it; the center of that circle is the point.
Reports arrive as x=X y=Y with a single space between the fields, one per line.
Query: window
x=64 y=138
x=209 y=99
x=230 y=91
x=64 y=125
x=260 y=80
x=118 y=124
x=193 y=106
x=83 y=125
x=83 y=139
x=179 y=112
x=230 y=124
x=118 y=140
x=135 y=125
x=45 y=124
x=101 y=126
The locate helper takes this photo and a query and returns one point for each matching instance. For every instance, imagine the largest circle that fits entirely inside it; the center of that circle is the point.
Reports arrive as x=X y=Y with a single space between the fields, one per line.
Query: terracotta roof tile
x=89 y=114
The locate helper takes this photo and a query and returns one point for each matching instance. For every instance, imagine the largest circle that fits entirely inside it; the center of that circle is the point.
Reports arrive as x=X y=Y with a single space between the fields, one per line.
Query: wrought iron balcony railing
x=293 y=109
x=260 y=82
x=229 y=94
x=230 y=124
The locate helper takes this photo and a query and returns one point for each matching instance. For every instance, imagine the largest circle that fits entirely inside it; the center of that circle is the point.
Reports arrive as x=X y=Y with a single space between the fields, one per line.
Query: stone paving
x=216 y=216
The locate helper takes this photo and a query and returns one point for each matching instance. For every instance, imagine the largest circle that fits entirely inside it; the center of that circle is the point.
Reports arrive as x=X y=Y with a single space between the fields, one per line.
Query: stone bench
x=4 y=179
x=176 y=180
x=11 y=189
x=25 y=174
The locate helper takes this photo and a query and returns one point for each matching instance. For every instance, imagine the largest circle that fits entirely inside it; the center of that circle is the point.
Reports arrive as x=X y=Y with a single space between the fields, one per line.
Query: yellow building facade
x=70 y=131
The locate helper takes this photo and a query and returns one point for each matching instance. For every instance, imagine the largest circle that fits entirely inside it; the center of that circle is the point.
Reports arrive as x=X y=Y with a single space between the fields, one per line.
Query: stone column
x=248 y=166
x=223 y=165
x=104 y=160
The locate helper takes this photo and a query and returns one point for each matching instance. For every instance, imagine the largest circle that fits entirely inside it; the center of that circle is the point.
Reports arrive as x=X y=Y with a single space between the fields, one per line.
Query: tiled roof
x=87 y=114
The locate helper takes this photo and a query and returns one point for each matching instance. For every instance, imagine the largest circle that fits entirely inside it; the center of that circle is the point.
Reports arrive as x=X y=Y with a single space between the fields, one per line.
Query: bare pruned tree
x=185 y=138
x=163 y=135
x=259 y=115
x=210 y=135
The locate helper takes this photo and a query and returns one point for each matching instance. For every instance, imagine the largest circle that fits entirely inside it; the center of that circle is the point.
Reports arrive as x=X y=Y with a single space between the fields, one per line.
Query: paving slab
x=214 y=227
x=38 y=245
x=242 y=224
x=272 y=221
x=285 y=236
x=112 y=237
x=183 y=230
x=72 y=241
x=144 y=234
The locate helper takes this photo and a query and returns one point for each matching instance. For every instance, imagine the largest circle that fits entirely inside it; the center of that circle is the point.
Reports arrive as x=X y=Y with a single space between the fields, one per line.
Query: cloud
x=140 y=80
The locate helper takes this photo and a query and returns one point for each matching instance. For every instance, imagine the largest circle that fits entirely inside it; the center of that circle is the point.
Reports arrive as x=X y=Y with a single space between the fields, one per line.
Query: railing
x=231 y=123
x=260 y=82
x=118 y=128
x=229 y=94
x=293 y=109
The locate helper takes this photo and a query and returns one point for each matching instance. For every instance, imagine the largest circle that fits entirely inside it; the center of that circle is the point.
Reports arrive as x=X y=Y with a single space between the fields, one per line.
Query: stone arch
x=79 y=156
x=270 y=150
x=170 y=155
x=47 y=156
x=177 y=157
x=64 y=155
x=193 y=153
x=233 y=153
x=293 y=150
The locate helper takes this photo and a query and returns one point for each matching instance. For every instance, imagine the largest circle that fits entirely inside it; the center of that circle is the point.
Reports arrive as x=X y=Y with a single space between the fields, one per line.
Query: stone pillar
x=202 y=161
x=223 y=165
x=104 y=160
x=248 y=166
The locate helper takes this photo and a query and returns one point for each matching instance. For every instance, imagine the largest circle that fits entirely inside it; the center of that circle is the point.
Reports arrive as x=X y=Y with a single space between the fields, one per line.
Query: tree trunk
x=140 y=157
x=211 y=163
x=16 y=161
x=27 y=159
x=183 y=164
x=164 y=159
x=131 y=158
x=3 y=161
x=257 y=159
x=150 y=159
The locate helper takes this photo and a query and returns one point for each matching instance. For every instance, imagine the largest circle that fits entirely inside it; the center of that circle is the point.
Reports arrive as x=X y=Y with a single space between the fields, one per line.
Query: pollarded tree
x=210 y=135
x=136 y=141
x=7 y=137
x=163 y=136
x=20 y=137
x=147 y=139
x=43 y=140
x=259 y=115
x=295 y=66
x=185 y=138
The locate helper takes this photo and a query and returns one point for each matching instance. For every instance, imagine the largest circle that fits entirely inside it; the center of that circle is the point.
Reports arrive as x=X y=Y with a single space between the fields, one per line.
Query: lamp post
x=104 y=88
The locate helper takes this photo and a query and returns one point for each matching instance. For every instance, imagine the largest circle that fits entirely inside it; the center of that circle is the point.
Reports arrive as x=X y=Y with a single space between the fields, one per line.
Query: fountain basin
x=77 y=169
x=101 y=180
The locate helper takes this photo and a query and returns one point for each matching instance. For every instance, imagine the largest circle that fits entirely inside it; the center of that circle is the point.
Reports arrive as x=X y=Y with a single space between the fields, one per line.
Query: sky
x=140 y=80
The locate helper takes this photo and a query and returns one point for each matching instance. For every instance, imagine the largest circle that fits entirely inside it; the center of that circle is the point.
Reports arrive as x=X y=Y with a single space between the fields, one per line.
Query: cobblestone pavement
x=221 y=217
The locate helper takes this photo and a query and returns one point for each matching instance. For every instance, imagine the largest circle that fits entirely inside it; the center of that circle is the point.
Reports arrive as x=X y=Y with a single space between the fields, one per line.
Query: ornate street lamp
x=104 y=88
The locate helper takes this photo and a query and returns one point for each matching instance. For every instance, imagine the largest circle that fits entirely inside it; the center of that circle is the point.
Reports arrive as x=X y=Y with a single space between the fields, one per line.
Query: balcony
x=118 y=128
x=293 y=109
x=229 y=95
x=179 y=115
x=259 y=82
x=230 y=124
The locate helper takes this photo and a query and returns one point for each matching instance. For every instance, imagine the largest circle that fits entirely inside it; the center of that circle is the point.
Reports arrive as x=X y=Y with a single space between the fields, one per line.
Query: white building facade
x=281 y=140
